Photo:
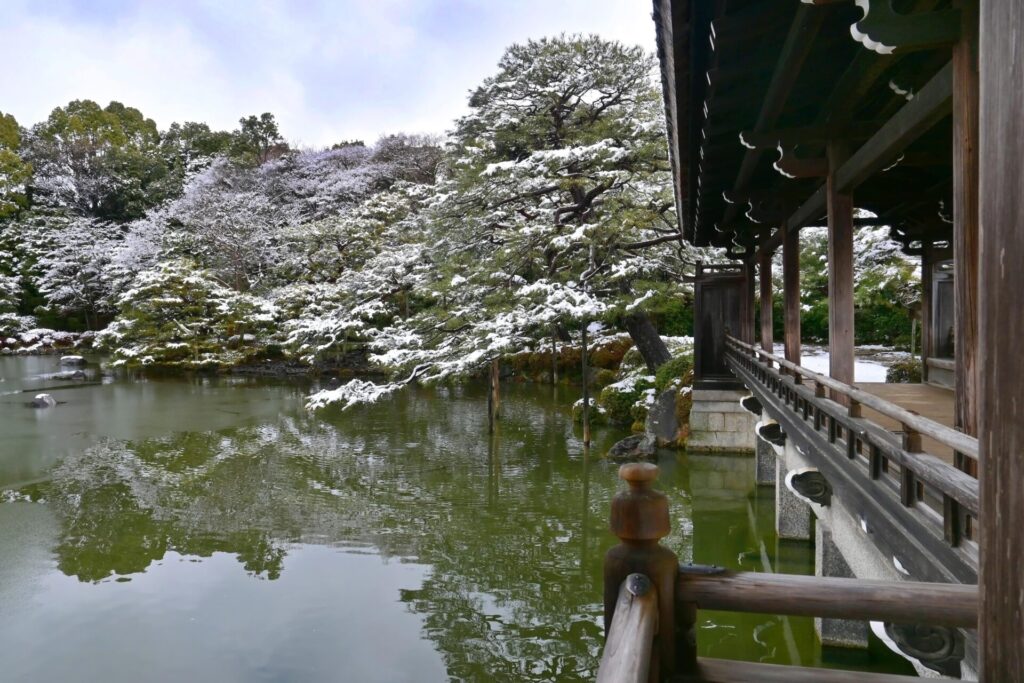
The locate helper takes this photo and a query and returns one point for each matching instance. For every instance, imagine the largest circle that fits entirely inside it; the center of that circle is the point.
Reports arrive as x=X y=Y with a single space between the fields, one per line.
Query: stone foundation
x=766 y=459
x=718 y=424
x=829 y=561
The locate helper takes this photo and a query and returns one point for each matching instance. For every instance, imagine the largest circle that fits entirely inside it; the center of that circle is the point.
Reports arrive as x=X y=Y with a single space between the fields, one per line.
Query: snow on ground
x=871 y=363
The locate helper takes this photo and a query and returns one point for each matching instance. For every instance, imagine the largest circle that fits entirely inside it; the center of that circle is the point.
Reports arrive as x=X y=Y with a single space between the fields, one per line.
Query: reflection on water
x=212 y=530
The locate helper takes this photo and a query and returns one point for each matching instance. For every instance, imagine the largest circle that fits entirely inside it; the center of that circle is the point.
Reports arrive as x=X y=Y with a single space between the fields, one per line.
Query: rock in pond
x=72 y=361
x=636 y=447
x=662 y=423
x=70 y=375
x=43 y=401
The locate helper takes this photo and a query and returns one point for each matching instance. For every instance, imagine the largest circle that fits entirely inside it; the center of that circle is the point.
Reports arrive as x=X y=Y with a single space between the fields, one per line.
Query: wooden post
x=640 y=519
x=965 y=222
x=927 y=264
x=1001 y=429
x=586 y=390
x=496 y=387
x=765 y=274
x=791 y=293
x=493 y=395
x=840 y=276
x=554 y=356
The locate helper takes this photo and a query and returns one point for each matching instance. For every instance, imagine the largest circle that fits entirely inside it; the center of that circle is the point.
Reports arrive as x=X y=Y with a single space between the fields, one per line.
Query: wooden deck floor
x=934 y=403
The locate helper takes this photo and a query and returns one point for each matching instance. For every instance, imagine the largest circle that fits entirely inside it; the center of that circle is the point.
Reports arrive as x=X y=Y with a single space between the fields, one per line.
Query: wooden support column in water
x=765 y=275
x=840 y=275
x=554 y=355
x=494 y=395
x=965 y=222
x=791 y=292
x=1001 y=429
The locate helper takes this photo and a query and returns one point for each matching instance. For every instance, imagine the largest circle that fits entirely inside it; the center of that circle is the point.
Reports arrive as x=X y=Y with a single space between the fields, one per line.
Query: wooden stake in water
x=494 y=396
x=554 y=355
x=586 y=392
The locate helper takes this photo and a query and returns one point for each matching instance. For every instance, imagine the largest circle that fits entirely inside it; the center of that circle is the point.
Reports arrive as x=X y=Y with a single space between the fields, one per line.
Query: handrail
x=939 y=604
x=958 y=441
x=630 y=643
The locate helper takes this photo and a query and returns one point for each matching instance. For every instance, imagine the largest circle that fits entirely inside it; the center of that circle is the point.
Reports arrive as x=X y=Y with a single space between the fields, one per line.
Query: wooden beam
x=791 y=292
x=916 y=117
x=764 y=272
x=795 y=51
x=840 y=277
x=1001 y=432
x=965 y=226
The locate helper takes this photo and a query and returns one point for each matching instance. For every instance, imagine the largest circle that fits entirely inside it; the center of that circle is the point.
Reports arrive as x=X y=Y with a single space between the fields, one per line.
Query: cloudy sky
x=328 y=69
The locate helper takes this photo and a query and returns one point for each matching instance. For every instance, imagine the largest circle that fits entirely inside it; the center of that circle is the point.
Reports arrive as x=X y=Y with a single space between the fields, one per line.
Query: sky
x=329 y=70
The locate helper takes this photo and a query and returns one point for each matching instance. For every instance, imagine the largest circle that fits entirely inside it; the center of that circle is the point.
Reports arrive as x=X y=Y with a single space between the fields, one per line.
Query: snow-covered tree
x=74 y=271
x=97 y=161
x=555 y=208
x=179 y=314
x=14 y=171
x=560 y=178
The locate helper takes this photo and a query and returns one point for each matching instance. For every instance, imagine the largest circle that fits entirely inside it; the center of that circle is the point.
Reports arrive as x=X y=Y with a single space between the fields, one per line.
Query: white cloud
x=327 y=70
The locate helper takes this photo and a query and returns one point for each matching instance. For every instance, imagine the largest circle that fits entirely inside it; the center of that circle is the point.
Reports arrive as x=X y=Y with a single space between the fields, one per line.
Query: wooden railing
x=643 y=644
x=937 y=499
x=627 y=651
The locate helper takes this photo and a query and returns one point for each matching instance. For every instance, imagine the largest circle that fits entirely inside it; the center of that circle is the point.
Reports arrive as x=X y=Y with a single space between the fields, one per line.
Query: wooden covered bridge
x=785 y=114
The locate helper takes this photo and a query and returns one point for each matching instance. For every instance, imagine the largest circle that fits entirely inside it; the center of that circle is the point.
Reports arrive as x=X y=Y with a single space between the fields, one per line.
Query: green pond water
x=210 y=529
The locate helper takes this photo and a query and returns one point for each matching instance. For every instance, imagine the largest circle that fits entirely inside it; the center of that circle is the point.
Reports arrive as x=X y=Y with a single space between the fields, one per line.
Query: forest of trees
x=548 y=205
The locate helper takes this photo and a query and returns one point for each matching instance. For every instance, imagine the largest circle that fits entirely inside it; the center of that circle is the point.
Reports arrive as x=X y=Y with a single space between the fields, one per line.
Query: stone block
x=716 y=422
x=729 y=395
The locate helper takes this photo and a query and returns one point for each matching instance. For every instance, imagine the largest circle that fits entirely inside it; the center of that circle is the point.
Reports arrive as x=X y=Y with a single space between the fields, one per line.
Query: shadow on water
x=471 y=556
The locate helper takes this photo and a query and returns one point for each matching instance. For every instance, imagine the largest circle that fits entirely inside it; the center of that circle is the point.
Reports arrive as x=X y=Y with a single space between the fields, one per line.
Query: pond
x=191 y=528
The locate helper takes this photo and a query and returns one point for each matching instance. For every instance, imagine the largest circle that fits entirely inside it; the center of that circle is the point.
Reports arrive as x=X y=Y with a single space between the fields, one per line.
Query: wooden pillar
x=965 y=221
x=1001 y=423
x=927 y=264
x=765 y=275
x=749 y=271
x=840 y=275
x=791 y=293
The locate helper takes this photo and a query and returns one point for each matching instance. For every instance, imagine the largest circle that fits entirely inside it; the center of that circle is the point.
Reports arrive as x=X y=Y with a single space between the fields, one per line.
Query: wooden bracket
x=886 y=31
x=792 y=167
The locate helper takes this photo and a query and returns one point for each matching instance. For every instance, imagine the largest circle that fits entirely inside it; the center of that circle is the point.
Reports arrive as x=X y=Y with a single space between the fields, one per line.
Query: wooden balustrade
x=958 y=441
x=651 y=629
x=951 y=496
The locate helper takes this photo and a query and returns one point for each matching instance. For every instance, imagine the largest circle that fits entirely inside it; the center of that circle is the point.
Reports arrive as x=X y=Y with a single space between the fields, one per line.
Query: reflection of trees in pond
x=514 y=532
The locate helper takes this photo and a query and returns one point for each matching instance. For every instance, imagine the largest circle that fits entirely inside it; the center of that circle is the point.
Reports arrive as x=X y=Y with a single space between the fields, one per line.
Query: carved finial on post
x=640 y=519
